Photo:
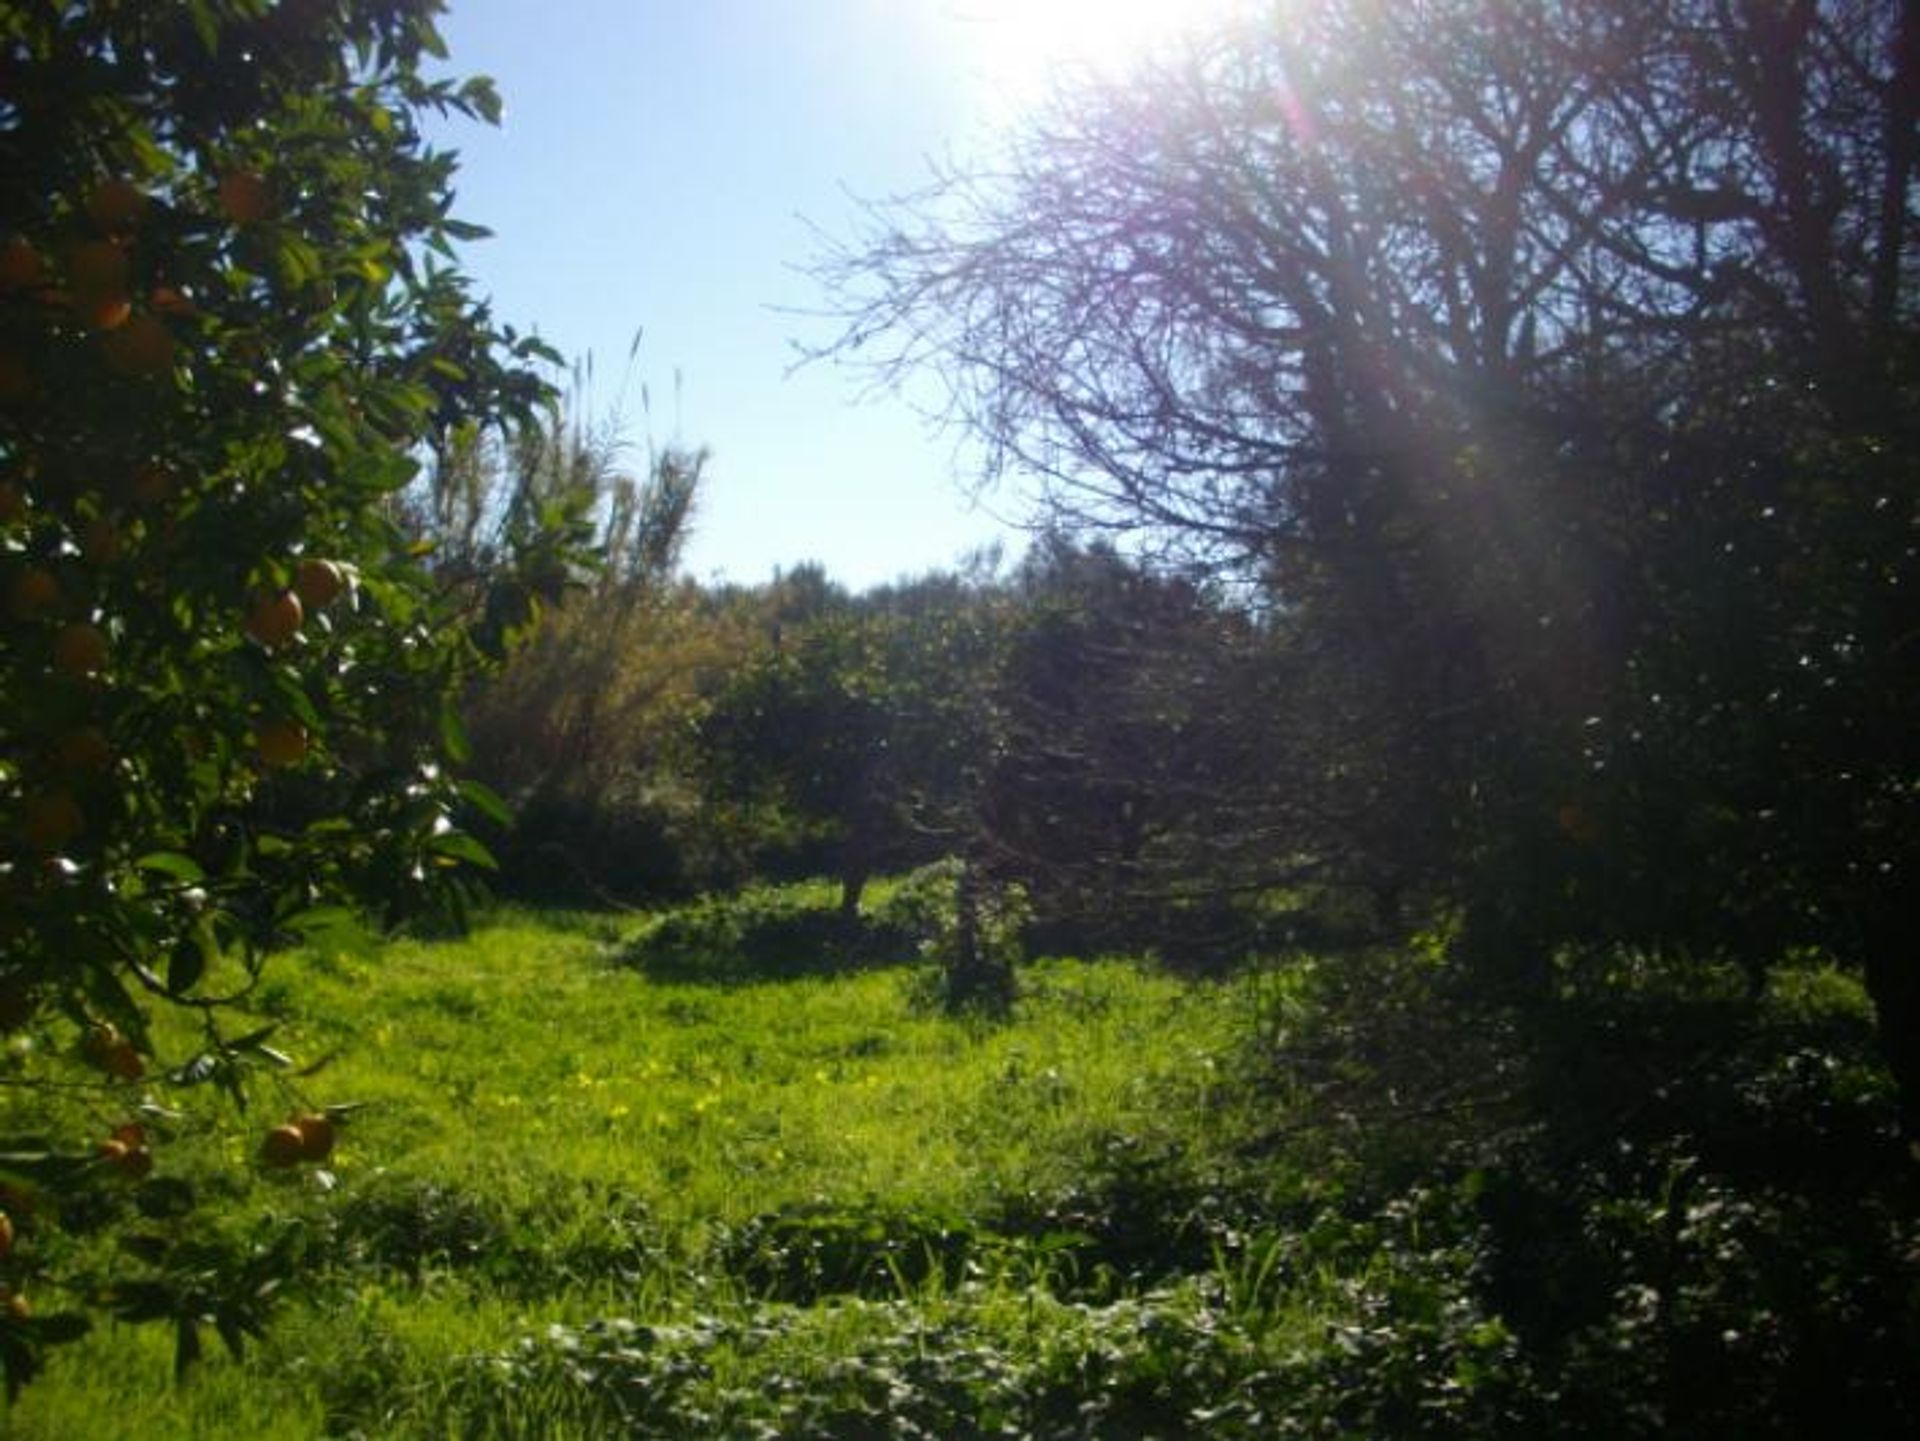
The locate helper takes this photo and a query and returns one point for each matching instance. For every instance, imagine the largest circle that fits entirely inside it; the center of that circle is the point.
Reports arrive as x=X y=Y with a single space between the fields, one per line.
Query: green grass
x=546 y=1137
x=606 y=1177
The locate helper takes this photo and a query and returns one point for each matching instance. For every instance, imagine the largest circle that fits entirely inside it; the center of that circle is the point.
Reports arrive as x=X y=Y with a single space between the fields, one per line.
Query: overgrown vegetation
x=580 y=1199
x=1389 y=921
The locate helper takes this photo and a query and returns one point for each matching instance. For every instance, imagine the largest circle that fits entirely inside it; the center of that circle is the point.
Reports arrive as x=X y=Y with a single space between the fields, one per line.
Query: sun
x=1021 y=47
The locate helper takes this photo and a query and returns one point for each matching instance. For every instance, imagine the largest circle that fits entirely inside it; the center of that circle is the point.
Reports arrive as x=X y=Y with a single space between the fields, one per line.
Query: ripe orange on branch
x=141 y=347
x=106 y=312
x=281 y=743
x=52 y=819
x=245 y=197
x=318 y=583
x=172 y=301
x=105 y=1047
x=274 y=618
x=97 y=269
x=80 y=650
x=100 y=541
x=317 y=1135
x=283 y=1147
x=152 y=483
x=128 y=1153
x=33 y=590
x=21 y=267
x=116 y=205
x=16 y=378
x=82 y=750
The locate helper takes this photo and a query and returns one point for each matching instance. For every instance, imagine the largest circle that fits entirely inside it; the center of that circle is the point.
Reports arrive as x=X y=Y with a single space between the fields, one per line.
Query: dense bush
x=763 y=933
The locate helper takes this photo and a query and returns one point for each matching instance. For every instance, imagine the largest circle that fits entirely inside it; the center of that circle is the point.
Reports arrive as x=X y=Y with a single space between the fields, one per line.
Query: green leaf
x=253 y=1039
x=187 y=963
x=458 y=845
x=171 y=863
x=453 y=736
x=316 y=924
x=486 y=800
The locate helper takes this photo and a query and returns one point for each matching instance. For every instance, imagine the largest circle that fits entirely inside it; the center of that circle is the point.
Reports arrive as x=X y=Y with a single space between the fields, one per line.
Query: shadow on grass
x=766 y=934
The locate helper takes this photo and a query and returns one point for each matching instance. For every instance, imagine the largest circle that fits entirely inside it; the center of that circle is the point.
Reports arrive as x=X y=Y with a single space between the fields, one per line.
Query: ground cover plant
x=541 y=1134
x=576 y=1198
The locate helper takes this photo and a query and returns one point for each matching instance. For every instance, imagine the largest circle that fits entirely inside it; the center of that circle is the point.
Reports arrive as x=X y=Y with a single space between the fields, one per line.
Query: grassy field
x=702 y=1175
x=550 y=1139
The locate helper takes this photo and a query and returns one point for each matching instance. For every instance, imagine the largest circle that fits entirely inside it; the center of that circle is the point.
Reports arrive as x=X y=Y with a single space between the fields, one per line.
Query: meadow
x=729 y=1172
x=549 y=1147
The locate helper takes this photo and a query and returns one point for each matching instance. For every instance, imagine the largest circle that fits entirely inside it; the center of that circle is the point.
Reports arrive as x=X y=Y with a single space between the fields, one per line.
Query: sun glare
x=1020 y=47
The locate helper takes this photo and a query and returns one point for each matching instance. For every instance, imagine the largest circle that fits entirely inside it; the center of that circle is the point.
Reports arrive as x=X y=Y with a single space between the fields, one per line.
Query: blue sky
x=656 y=169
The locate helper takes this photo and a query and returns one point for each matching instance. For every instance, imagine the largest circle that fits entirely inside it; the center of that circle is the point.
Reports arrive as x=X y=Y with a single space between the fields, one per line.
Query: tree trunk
x=853 y=884
x=975 y=976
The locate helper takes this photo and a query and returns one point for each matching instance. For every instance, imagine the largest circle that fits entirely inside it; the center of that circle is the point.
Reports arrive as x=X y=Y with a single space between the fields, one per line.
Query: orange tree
x=231 y=331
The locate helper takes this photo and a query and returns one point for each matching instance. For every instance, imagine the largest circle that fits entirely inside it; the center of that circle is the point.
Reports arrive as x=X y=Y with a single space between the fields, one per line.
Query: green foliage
x=579 y=1199
x=924 y=904
x=230 y=334
x=802 y=1254
x=1571 y=483
x=764 y=933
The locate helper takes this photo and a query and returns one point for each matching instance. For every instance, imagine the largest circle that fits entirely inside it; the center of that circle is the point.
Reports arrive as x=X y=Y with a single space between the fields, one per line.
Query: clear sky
x=658 y=167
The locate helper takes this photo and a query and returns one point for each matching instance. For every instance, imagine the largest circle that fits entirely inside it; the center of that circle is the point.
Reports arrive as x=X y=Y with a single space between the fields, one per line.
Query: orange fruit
x=318 y=583
x=274 y=618
x=108 y=312
x=18 y=1309
x=96 y=269
x=105 y=1047
x=281 y=743
x=51 y=819
x=83 y=750
x=152 y=483
x=6 y=1235
x=99 y=1038
x=16 y=379
x=143 y=346
x=130 y=1158
x=100 y=541
x=317 y=1135
x=171 y=300
x=80 y=650
x=33 y=590
x=1577 y=825
x=21 y=267
x=283 y=1146
x=244 y=197
x=115 y=205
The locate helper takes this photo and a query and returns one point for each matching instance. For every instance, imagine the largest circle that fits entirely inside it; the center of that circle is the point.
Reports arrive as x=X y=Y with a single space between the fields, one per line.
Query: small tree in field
x=230 y=332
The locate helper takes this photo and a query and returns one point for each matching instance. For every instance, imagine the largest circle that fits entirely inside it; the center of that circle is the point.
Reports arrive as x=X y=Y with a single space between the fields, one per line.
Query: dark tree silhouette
x=1550 y=372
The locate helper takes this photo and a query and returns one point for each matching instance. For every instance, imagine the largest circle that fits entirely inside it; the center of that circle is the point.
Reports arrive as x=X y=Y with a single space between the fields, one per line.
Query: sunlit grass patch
x=541 y=1135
